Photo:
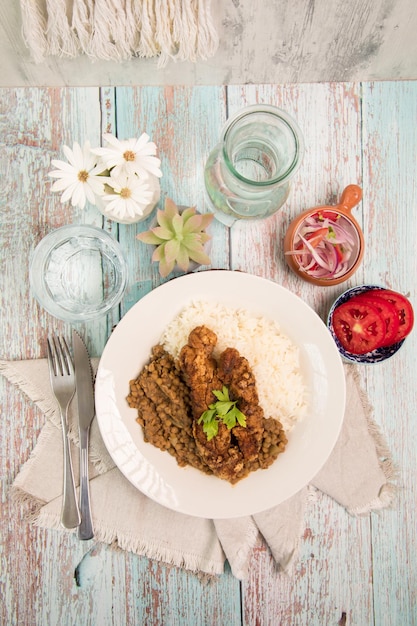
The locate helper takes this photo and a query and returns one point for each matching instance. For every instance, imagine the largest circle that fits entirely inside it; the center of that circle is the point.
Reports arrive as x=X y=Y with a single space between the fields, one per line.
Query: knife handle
x=70 y=515
x=85 y=529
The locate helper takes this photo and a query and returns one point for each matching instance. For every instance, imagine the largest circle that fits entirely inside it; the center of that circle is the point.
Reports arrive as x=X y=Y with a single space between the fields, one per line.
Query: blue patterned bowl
x=376 y=356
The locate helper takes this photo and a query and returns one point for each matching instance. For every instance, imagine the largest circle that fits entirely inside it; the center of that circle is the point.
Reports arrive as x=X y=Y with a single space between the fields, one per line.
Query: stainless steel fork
x=62 y=377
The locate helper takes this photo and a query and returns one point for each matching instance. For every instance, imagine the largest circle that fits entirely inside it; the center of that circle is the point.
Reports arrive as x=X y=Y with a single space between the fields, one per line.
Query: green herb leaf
x=211 y=429
x=222 y=395
x=241 y=418
x=224 y=407
x=230 y=419
x=207 y=416
x=224 y=410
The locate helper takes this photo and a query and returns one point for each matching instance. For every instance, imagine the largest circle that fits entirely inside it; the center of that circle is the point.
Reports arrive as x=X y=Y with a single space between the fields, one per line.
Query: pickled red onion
x=324 y=254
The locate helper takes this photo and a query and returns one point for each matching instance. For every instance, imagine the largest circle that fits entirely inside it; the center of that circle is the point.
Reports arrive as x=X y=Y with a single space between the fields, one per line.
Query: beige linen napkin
x=358 y=475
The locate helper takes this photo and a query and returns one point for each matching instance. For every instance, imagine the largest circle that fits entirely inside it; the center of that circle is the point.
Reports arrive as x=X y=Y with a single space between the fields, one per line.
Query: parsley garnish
x=224 y=410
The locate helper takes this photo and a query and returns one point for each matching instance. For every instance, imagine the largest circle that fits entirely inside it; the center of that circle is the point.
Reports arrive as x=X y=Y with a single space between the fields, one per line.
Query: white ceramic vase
x=139 y=217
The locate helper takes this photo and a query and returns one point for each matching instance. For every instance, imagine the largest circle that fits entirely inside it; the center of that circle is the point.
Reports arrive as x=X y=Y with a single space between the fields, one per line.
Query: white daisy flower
x=130 y=156
x=127 y=196
x=79 y=178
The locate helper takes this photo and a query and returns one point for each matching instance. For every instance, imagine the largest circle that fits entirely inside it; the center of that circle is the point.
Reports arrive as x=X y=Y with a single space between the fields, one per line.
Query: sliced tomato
x=317 y=237
x=359 y=326
x=388 y=312
x=330 y=215
x=404 y=310
x=339 y=252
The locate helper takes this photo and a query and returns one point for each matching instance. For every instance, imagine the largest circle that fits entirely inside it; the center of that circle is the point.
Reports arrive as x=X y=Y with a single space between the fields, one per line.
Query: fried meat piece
x=223 y=458
x=199 y=370
x=170 y=397
x=235 y=372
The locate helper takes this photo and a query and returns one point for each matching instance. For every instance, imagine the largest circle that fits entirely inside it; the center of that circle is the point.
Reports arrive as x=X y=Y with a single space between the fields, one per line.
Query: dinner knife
x=86 y=410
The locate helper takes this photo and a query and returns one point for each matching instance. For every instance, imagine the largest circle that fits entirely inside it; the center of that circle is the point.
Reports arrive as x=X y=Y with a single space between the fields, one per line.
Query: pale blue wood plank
x=390 y=140
x=75 y=117
x=163 y=595
x=108 y=125
x=37 y=123
x=184 y=123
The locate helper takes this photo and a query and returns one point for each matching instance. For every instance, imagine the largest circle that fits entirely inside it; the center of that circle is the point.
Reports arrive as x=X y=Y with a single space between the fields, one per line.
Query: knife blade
x=86 y=410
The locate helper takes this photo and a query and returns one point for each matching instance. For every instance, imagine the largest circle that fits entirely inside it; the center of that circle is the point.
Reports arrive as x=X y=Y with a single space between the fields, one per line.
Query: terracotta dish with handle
x=342 y=212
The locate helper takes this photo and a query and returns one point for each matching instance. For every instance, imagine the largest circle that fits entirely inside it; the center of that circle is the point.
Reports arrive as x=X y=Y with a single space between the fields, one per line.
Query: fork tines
x=59 y=356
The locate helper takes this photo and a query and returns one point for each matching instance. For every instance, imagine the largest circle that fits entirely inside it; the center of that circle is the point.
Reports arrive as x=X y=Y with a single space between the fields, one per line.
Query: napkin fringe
x=192 y=562
x=35 y=514
x=95 y=457
x=117 y=30
x=384 y=500
x=8 y=370
x=31 y=505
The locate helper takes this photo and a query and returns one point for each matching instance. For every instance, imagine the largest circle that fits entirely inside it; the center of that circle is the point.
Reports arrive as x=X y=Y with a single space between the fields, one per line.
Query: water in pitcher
x=247 y=174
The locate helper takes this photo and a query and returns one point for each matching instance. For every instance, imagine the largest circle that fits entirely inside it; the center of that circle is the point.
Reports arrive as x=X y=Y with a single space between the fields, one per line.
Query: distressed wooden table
x=349 y=571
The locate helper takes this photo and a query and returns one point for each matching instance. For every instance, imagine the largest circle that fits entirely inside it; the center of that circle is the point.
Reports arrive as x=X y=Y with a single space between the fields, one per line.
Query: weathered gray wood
x=260 y=42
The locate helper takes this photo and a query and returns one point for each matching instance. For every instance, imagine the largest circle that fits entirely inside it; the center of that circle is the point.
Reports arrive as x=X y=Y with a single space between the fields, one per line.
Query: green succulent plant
x=179 y=237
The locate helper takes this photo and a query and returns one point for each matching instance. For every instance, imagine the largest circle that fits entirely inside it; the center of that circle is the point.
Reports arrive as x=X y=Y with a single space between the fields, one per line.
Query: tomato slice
x=388 y=312
x=330 y=215
x=317 y=237
x=359 y=326
x=339 y=252
x=404 y=310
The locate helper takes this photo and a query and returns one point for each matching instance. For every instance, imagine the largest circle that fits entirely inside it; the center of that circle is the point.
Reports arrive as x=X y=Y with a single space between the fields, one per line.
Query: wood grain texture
x=166 y=114
x=334 y=566
x=264 y=42
x=389 y=171
x=358 y=571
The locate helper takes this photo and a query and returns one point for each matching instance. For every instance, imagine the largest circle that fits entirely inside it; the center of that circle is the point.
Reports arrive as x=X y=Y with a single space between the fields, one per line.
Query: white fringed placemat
x=182 y=30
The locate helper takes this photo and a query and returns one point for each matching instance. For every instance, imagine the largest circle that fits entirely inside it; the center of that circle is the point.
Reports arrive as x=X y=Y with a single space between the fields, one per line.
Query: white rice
x=274 y=358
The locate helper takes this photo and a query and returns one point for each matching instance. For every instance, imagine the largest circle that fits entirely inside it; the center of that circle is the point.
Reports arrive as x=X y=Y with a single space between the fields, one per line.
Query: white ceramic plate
x=187 y=490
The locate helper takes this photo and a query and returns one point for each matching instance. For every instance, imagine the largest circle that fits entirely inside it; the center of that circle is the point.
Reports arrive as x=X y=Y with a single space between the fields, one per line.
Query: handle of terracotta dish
x=351 y=196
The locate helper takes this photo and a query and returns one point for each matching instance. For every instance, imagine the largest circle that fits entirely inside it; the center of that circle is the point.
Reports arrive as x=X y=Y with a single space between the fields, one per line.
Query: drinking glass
x=78 y=273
